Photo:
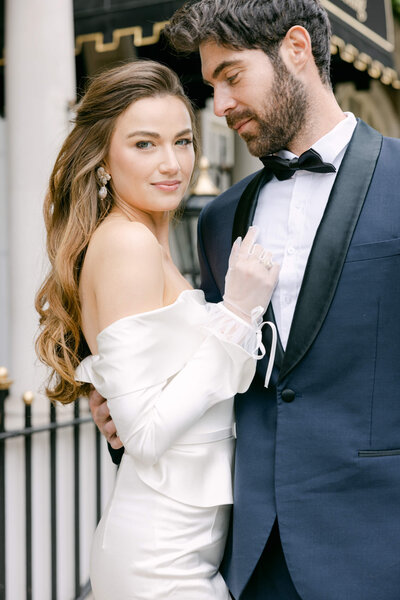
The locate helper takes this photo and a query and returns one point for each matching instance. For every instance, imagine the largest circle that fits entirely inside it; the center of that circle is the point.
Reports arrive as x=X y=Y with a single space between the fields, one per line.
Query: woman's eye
x=143 y=145
x=184 y=142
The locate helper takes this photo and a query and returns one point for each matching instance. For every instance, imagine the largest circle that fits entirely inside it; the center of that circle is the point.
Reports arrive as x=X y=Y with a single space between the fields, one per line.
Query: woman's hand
x=251 y=277
x=101 y=417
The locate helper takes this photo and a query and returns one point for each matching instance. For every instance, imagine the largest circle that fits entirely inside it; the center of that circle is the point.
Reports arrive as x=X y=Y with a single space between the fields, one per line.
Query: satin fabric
x=170 y=376
x=149 y=546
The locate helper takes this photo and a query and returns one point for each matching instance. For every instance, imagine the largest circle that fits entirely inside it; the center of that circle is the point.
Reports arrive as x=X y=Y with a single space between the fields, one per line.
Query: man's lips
x=240 y=124
x=168 y=186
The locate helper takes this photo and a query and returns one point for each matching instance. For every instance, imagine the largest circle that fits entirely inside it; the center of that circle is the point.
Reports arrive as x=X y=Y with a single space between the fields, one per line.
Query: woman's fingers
x=234 y=252
x=249 y=239
x=245 y=252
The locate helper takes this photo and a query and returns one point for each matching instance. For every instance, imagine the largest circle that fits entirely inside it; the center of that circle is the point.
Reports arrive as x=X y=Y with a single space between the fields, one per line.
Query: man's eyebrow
x=221 y=67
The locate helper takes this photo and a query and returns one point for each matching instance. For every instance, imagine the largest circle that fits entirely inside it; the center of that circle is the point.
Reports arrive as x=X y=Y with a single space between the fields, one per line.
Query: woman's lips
x=167 y=186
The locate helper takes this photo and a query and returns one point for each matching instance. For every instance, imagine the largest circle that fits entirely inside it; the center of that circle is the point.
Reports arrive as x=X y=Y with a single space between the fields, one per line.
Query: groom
x=317 y=476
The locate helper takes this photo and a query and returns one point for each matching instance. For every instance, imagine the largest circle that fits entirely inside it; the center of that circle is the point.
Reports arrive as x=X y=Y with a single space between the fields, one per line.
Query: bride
x=116 y=313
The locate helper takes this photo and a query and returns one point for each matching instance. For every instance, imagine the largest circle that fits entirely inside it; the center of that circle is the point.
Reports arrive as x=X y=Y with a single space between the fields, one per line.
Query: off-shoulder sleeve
x=162 y=372
x=166 y=375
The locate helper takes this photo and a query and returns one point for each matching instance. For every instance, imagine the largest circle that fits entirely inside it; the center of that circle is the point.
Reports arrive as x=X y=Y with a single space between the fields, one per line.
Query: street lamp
x=184 y=235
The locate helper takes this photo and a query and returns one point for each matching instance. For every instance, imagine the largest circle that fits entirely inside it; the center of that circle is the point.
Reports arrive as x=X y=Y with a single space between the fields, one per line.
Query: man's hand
x=101 y=416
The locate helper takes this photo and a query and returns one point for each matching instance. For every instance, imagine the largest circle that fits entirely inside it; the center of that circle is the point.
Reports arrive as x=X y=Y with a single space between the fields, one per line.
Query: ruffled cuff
x=229 y=327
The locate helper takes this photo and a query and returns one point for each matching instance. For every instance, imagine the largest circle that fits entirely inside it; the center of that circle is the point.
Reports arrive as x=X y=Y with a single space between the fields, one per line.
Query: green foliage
x=396 y=8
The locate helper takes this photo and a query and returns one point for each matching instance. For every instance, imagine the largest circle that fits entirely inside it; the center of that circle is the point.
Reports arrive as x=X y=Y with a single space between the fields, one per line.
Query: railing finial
x=28 y=397
x=5 y=382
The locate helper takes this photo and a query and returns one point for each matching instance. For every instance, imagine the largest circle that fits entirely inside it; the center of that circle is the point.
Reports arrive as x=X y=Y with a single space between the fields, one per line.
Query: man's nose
x=223 y=102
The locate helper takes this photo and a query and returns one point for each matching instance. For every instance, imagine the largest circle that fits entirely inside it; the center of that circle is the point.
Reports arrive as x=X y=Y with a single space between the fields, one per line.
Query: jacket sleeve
x=116 y=455
x=208 y=283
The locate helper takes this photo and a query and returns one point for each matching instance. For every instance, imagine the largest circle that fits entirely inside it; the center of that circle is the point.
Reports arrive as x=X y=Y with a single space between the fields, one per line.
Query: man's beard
x=283 y=118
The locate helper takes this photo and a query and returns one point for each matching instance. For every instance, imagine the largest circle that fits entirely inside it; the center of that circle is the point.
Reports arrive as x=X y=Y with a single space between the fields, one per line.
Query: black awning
x=363 y=34
x=110 y=31
x=363 y=30
x=112 y=19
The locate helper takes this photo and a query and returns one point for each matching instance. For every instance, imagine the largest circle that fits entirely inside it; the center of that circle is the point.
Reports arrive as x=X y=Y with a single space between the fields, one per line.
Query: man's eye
x=232 y=79
x=143 y=145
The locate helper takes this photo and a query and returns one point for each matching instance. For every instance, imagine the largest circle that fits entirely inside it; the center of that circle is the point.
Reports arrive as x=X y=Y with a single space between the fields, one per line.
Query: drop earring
x=103 y=178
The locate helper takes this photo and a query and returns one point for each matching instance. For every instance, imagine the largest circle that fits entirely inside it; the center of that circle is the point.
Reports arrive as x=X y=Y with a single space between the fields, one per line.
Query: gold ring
x=268 y=264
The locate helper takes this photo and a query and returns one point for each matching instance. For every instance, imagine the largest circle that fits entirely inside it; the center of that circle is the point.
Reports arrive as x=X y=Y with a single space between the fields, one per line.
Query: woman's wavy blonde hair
x=73 y=211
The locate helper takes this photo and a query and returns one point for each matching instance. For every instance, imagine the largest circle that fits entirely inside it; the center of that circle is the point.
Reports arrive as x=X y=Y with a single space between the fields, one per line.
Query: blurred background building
x=55 y=474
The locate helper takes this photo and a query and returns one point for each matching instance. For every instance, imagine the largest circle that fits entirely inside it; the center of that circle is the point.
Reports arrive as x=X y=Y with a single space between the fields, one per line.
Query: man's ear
x=296 y=49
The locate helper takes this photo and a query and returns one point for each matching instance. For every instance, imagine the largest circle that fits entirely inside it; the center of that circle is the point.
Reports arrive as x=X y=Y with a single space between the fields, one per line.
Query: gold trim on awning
x=136 y=32
x=364 y=62
x=358 y=25
x=347 y=52
x=100 y=46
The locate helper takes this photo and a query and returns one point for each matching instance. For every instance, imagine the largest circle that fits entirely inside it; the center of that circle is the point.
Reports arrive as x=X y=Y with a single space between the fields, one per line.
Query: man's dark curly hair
x=251 y=24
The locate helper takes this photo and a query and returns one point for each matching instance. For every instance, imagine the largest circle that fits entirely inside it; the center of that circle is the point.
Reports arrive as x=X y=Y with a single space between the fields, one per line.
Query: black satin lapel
x=243 y=219
x=247 y=205
x=267 y=338
x=332 y=242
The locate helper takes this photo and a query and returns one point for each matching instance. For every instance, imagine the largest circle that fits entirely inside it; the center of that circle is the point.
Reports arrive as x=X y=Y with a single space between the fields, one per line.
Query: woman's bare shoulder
x=125 y=270
x=118 y=235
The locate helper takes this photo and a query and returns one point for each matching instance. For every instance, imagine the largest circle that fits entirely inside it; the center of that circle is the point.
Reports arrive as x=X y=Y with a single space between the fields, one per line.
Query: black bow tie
x=284 y=168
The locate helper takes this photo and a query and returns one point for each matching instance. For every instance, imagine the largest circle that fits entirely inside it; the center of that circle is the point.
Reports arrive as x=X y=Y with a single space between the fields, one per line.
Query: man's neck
x=323 y=115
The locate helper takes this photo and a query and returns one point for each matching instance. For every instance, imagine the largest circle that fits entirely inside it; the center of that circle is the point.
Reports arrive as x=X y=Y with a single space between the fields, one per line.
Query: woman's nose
x=169 y=162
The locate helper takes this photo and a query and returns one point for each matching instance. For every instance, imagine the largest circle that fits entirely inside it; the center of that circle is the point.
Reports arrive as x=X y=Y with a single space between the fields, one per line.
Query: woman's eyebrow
x=154 y=134
x=145 y=133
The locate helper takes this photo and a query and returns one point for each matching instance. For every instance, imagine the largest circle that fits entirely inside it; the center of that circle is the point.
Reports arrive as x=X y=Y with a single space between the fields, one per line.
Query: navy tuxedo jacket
x=320 y=449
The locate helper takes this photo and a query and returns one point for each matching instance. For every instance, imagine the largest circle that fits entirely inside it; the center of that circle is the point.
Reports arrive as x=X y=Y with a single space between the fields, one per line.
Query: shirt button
x=291 y=250
x=288 y=395
x=288 y=299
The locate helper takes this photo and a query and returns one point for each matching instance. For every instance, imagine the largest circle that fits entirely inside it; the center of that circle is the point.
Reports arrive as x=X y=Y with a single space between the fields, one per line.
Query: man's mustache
x=234 y=118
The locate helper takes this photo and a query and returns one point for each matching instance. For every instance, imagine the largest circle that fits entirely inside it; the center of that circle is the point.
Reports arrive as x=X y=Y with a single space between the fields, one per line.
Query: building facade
x=50 y=49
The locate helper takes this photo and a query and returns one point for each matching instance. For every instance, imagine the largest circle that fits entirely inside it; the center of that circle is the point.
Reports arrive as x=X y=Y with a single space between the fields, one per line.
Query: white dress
x=169 y=376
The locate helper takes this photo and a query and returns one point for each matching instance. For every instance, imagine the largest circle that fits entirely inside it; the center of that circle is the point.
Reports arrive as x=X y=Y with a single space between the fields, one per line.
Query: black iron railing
x=27 y=433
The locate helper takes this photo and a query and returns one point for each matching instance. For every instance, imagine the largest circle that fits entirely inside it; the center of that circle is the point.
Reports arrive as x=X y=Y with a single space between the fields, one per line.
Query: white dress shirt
x=288 y=215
